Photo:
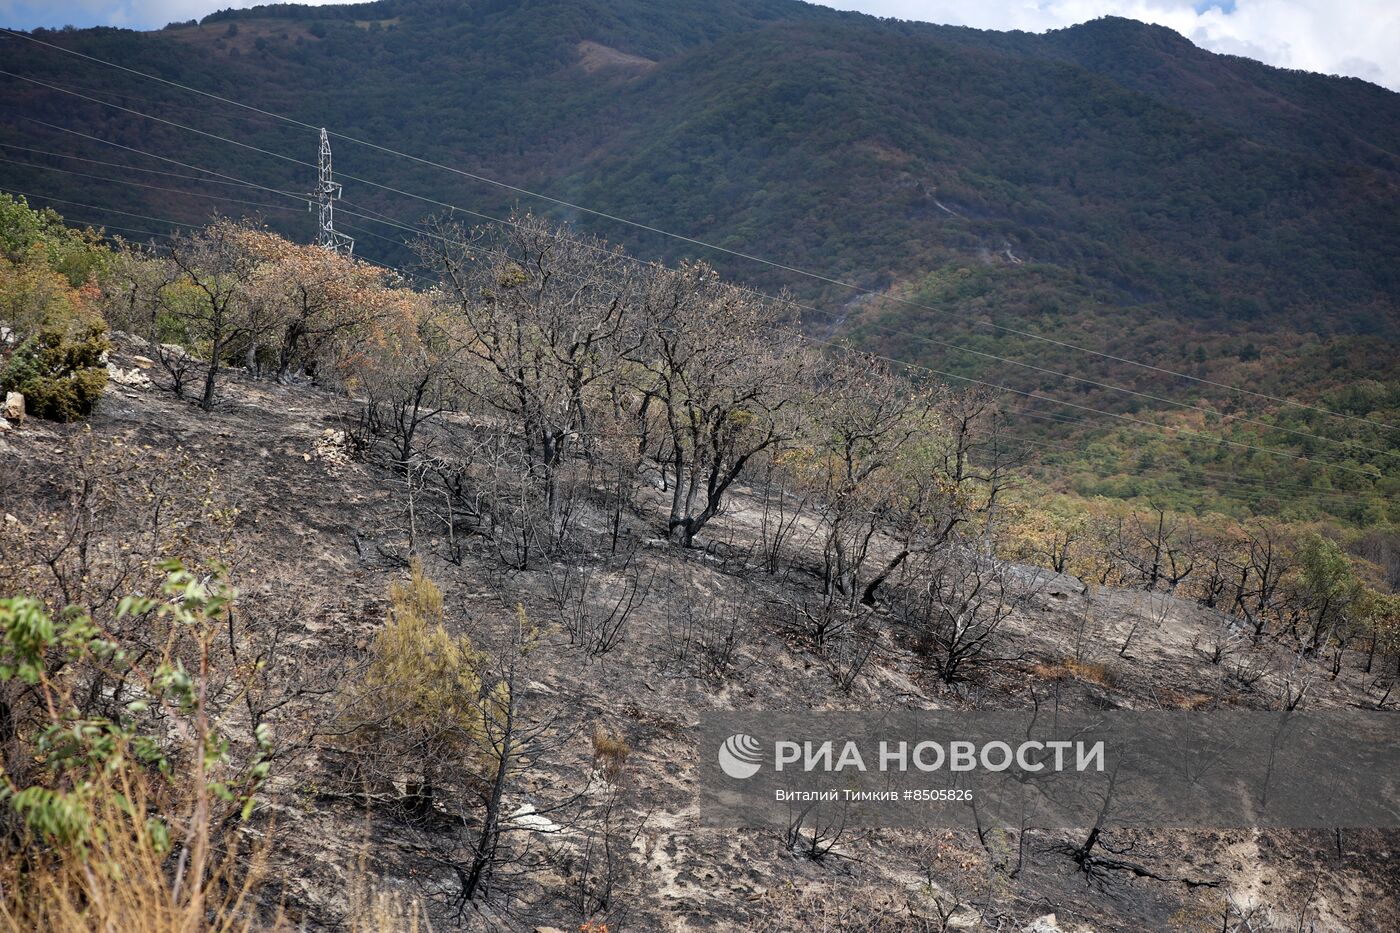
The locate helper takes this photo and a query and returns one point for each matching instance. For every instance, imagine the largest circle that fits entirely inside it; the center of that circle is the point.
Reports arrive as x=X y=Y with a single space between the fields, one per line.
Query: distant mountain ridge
x=1109 y=185
x=1118 y=155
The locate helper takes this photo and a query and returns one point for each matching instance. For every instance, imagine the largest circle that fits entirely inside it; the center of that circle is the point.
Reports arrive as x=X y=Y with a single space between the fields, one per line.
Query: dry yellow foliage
x=424 y=679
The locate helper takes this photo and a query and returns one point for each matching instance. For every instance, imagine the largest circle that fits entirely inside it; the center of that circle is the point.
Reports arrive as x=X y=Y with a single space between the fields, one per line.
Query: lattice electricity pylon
x=327 y=193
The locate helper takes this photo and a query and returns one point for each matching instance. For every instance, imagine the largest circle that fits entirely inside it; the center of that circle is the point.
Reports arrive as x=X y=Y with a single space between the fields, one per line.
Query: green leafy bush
x=77 y=255
x=92 y=801
x=416 y=716
x=55 y=340
x=60 y=370
x=431 y=675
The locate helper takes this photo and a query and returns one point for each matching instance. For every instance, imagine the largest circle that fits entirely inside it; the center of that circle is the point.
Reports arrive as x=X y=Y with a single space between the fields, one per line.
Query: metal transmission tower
x=327 y=192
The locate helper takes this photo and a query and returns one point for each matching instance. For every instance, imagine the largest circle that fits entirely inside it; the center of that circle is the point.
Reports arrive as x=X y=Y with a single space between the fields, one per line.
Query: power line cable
x=137 y=168
x=690 y=240
x=138 y=113
x=106 y=226
x=1137 y=421
x=1242 y=485
x=109 y=210
x=107 y=142
x=137 y=184
x=1181 y=431
x=895 y=332
x=385 y=219
x=1012 y=362
x=1232 y=479
x=1033 y=395
x=1342 y=442
x=1107 y=386
x=1185 y=432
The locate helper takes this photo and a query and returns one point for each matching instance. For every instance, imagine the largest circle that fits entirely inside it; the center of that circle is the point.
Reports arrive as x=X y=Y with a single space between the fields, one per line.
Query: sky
x=1360 y=38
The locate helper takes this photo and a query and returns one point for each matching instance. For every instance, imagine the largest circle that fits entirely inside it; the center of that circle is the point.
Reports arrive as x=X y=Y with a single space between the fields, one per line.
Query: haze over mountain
x=1110 y=184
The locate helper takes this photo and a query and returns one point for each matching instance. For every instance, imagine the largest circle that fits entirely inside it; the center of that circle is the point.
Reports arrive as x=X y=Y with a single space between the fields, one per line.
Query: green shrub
x=46 y=304
x=77 y=255
x=59 y=369
x=421 y=688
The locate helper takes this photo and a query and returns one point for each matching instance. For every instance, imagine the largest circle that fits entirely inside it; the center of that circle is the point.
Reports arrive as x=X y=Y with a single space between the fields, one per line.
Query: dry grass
x=855 y=909
x=124 y=880
x=383 y=912
x=125 y=877
x=1173 y=699
x=610 y=752
x=1089 y=672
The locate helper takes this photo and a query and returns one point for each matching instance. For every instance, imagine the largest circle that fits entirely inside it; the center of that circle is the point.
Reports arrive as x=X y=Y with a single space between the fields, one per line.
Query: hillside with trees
x=1110 y=186
x=830 y=139
x=339 y=602
x=384 y=592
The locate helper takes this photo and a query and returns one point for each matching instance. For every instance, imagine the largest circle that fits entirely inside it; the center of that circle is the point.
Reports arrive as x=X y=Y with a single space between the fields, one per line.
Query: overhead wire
x=109 y=210
x=1185 y=432
x=684 y=238
x=1173 y=429
x=1230 y=479
x=108 y=142
x=106 y=226
x=1246 y=487
x=1264 y=484
x=147 y=116
x=419 y=231
x=137 y=184
x=1033 y=395
x=1043 y=370
x=138 y=168
x=1083 y=380
x=1108 y=386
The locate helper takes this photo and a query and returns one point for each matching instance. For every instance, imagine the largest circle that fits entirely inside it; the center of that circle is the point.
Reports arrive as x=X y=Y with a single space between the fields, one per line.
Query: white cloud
x=1359 y=37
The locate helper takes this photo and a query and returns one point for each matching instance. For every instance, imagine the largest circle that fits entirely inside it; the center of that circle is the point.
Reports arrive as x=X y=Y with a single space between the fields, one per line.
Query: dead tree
x=603 y=861
x=725 y=380
x=706 y=637
x=1057 y=550
x=1156 y=551
x=548 y=314
x=408 y=375
x=217 y=270
x=1216 y=555
x=782 y=513
x=514 y=744
x=1096 y=857
x=597 y=626
x=862 y=427
x=952 y=485
x=808 y=832
x=1259 y=577
x=1295 y=679
x=958 y=610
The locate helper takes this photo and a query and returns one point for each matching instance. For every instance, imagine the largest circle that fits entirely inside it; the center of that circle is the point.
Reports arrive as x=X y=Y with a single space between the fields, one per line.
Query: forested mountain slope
x=1110 y=184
